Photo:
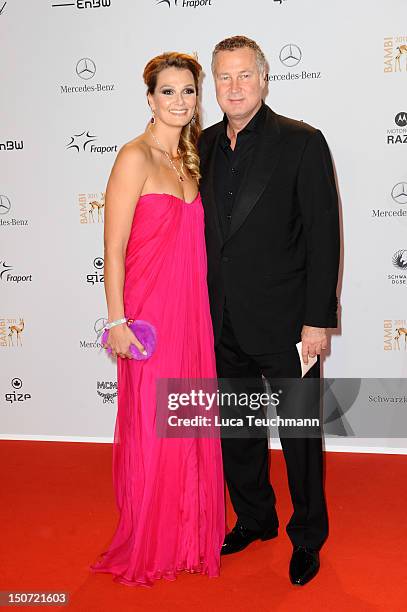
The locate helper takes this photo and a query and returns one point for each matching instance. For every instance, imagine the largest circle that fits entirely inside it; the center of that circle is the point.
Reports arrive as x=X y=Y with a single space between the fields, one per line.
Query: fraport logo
x=85 y=142
x=184 y=3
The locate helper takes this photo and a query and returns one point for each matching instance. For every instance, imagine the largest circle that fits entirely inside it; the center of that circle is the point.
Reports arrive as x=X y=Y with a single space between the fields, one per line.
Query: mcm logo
x=107 y=390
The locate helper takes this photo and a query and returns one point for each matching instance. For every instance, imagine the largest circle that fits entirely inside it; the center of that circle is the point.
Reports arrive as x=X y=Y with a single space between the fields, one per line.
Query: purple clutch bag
x=145 y=332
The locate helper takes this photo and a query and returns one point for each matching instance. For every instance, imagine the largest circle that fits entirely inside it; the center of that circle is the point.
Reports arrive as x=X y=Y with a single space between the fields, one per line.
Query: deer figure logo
x=99 y=206
x=402 y=50
x=399 y=332
x=16 y=329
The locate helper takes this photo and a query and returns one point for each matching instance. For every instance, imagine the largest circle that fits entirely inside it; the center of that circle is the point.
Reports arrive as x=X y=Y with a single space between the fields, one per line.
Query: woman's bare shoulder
x=136 y=151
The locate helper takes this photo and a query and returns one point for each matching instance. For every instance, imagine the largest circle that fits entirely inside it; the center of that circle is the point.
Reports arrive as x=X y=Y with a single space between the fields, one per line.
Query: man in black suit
x=272 y=236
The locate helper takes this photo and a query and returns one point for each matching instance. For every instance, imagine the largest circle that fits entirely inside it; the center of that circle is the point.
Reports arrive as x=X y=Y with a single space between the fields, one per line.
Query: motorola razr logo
x=15 y=395
x=401 y=119
x=85 y=142
x=83 y=4
x=398 y=135
x=184 y=3
x=97 y=276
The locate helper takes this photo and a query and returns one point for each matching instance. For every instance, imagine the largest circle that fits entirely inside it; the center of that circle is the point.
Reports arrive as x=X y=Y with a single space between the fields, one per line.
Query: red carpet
x=57 y=514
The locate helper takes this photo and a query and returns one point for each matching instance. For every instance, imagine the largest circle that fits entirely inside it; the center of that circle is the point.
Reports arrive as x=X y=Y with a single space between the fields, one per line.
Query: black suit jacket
x=278 y=267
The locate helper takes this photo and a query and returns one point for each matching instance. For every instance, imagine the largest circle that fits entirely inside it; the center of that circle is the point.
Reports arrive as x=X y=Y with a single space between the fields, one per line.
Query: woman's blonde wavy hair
x=190 y=133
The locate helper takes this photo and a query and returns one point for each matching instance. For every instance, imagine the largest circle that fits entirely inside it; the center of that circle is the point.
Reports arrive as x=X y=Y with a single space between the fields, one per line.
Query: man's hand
x=314 y=340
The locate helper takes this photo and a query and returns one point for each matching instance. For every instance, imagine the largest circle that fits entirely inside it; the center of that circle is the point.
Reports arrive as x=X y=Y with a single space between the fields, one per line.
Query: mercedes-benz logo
x=86 y=68
x=5 y=204
x=98 y=262
x=290 y=55
x=99 y=327
x=399 y=193
x=401 y=119
x=16 y=383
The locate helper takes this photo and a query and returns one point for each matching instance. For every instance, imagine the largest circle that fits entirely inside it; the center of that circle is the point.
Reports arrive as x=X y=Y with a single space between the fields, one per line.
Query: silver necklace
x=167 y=155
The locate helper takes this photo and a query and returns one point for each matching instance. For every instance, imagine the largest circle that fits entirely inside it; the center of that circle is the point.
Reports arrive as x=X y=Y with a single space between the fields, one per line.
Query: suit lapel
x=262 y=166
x=208 y=186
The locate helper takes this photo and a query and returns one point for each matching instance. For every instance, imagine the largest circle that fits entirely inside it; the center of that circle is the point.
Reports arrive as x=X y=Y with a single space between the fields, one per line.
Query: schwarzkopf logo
x=5 y=205
x=399 y=193
x=401 y=119
x=84 y=4
x=399 y=259
x=86 y=68
x=290 y=55
x=84 y=142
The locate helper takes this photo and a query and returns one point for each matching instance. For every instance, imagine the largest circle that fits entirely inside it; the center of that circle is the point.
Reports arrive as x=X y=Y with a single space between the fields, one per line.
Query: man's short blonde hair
x=240 y=42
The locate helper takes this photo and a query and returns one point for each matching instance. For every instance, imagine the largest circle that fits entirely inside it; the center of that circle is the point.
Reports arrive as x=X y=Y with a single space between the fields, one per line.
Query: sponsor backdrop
x=72 y=94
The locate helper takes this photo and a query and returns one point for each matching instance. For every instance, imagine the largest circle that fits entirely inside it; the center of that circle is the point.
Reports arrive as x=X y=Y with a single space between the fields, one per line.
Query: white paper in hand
x=311 y=360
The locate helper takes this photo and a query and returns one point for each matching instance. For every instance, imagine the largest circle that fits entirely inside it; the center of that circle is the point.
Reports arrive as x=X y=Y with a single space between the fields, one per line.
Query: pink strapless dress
x=169 y=491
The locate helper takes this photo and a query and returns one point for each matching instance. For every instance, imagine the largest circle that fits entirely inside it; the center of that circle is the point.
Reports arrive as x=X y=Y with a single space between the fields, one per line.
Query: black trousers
x=246 y=460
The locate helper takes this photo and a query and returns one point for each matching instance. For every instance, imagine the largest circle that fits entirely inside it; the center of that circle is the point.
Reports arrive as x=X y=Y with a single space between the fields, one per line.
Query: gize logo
x=12 y=397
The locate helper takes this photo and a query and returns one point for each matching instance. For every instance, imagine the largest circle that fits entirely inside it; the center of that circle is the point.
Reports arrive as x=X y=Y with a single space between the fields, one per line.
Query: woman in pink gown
x=169 y=491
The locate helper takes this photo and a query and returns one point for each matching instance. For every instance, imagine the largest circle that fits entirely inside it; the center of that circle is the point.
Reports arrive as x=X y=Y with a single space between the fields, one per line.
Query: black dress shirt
x=231 y=165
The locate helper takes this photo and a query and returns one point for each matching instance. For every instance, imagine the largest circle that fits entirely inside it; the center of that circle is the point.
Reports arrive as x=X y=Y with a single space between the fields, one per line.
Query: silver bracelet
x=114 y=323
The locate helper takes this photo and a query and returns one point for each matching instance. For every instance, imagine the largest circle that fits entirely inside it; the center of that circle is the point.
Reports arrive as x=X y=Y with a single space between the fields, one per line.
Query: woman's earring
x=193 y=120
x=152 y=121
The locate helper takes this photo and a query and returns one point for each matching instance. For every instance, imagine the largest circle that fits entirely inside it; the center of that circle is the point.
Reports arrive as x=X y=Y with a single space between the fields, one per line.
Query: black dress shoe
x=240 y=537
x=304 y=565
